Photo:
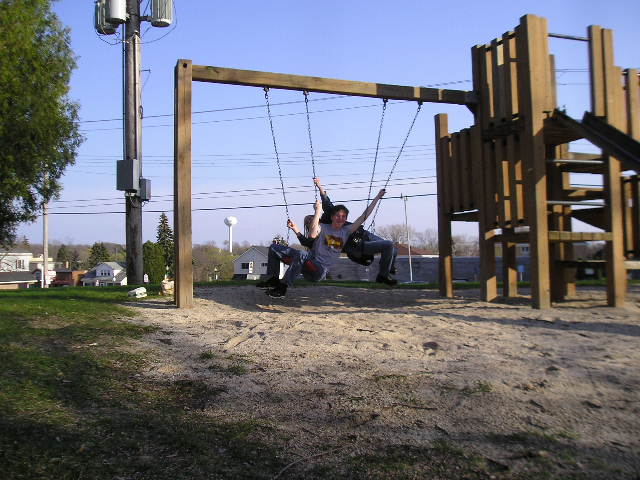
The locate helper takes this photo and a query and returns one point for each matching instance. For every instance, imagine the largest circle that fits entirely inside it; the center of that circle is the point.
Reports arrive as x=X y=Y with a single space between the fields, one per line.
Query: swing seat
x=308 y=266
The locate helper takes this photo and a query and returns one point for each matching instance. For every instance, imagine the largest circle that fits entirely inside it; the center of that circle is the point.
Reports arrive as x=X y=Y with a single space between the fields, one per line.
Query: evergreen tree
x=74 y=260
x=39 y=134
x=63 y=254
x=164 y=239
x=98 y=253
x=279 y=240
x=154 y=265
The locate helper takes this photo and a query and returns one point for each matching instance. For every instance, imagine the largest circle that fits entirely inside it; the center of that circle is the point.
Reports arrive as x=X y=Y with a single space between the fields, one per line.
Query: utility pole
x=132 y=142
x=45 y=245
x=109 y=15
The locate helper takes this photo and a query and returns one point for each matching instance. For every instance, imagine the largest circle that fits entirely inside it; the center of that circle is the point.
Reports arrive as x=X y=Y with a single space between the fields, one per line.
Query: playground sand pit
x=340 y=379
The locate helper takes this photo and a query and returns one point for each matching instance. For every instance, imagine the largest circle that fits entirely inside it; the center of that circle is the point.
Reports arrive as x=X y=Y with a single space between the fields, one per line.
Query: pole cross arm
x=254 y=78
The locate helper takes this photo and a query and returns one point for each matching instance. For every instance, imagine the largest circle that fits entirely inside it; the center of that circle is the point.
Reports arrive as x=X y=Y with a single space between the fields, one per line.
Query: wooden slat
x=596 y=71
x=512 y=152
x=456 y=172
x=475 y=144
x=445 y=242
x=559 y=236
x=533 y=57
x=447 y=173
x=635 y=213
x=510 y=74
x=183 y=289
x=497 y=75
x=465 y=166
x=232 y=76
x=501 y=182
x=632 y=84
x=627 y=216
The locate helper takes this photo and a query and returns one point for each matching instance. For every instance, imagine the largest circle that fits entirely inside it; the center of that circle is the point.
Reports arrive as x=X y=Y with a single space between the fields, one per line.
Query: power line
x=243 y=207
x=250 y=192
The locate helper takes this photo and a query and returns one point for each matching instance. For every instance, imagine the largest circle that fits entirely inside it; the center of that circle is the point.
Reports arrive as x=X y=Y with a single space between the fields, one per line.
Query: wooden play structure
x=509 y=171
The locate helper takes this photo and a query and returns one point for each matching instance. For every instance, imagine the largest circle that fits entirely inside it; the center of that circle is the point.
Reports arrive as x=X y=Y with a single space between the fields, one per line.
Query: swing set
x=509 y=172
x=186 y=73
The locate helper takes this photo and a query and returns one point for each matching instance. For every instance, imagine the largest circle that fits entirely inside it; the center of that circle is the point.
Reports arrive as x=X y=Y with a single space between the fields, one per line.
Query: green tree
x=98 y=253
x=63 y=254
x=39 y=134
x=74 y=260
x=280 y=240
x=164 y=238
x=154 y=265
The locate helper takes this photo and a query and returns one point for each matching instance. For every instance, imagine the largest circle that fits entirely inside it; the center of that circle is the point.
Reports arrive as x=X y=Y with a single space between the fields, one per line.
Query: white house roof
x=264 y=251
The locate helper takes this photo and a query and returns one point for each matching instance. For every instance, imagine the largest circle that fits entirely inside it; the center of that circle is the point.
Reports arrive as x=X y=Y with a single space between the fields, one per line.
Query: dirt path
x=361 y=371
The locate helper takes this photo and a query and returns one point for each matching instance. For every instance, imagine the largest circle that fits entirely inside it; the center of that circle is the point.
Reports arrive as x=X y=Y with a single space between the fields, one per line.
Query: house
x=67 y=278
x=252 y=264
x=106 y=274
x=14 y=261
x=16 y=280
x=14 y=270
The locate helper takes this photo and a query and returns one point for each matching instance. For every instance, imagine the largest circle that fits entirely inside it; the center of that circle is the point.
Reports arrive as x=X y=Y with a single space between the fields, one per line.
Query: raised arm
x=360 y=220
x=314 y=228
x=317 y=183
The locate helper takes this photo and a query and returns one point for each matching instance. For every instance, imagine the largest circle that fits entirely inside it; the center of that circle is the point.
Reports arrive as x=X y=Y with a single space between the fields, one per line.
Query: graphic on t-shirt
x=333 y=241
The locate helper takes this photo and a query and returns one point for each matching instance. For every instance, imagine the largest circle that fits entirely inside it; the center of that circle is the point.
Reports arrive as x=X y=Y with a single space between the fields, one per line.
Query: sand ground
x=336 y=372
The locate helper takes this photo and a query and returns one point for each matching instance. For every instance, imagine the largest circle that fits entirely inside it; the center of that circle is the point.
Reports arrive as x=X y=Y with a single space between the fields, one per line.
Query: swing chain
x=415 y=117
x=375 y=158
x=275 y=148
x=313 y=163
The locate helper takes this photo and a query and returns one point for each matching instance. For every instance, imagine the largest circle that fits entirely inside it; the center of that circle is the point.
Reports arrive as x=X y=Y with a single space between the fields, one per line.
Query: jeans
x=386 y=250
x=299 y=262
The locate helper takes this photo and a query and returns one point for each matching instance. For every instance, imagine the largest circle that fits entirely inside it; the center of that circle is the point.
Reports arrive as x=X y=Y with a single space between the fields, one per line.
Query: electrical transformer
x=101 y=24
x=161 y=13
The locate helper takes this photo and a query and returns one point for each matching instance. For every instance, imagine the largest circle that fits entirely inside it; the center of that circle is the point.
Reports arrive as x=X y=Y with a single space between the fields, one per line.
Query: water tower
x=230 y=222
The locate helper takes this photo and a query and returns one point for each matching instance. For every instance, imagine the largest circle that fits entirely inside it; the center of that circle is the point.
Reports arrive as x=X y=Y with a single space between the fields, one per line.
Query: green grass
x=73 y=404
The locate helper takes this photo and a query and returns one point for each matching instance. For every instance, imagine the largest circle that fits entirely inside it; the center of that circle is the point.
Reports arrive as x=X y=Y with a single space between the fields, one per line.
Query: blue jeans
x=299 y=261
x=386 y=250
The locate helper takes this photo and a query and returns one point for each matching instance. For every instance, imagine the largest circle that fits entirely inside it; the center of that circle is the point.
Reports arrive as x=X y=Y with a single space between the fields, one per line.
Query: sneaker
x=278 y=291
x=386 y=280
x=392 y=270
x=268 y=283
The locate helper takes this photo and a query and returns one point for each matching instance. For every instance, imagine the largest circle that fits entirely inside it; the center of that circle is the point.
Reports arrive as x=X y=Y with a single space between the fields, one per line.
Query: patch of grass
x=73 y=403
x=208 y=355
x=479 y=386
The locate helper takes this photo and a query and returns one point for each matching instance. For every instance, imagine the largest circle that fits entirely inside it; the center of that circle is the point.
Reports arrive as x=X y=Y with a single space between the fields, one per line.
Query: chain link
x=313 y=162
x=373 y=219
x=275 y=149
x=375 y=159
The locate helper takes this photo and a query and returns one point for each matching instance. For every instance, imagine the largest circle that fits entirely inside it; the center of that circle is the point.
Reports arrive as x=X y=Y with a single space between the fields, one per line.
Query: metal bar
x=568 y=37
x=569 y=203
x=577 y=162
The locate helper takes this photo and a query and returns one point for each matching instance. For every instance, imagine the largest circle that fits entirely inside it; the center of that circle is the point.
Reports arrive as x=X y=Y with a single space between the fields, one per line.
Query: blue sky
x=401 y=42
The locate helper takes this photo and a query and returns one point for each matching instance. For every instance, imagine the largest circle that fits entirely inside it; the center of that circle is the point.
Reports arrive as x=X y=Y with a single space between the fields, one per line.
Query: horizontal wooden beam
x=557 y=236
x=254 y=78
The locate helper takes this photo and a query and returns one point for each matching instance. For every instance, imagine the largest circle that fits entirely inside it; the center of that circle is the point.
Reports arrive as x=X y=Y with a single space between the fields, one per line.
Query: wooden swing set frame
x=509 y=172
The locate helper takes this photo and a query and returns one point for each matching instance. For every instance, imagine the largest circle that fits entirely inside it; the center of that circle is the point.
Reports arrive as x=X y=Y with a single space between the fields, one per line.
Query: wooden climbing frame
x=510 y=171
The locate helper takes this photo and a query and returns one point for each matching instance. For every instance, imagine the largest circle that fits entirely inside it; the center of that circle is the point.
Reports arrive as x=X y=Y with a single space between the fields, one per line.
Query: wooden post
x=183 y=288
x=607 y=101
x=483 y=157
x=445 y=254
x=534 y=100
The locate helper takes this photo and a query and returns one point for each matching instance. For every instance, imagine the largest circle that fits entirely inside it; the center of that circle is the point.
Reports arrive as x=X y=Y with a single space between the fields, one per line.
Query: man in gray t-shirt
x=330 y=240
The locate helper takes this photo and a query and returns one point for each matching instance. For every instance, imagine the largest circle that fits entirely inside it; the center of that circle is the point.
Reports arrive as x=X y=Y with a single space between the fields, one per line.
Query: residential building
x=68 y=278
x=106 y=274
x=252 y=264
